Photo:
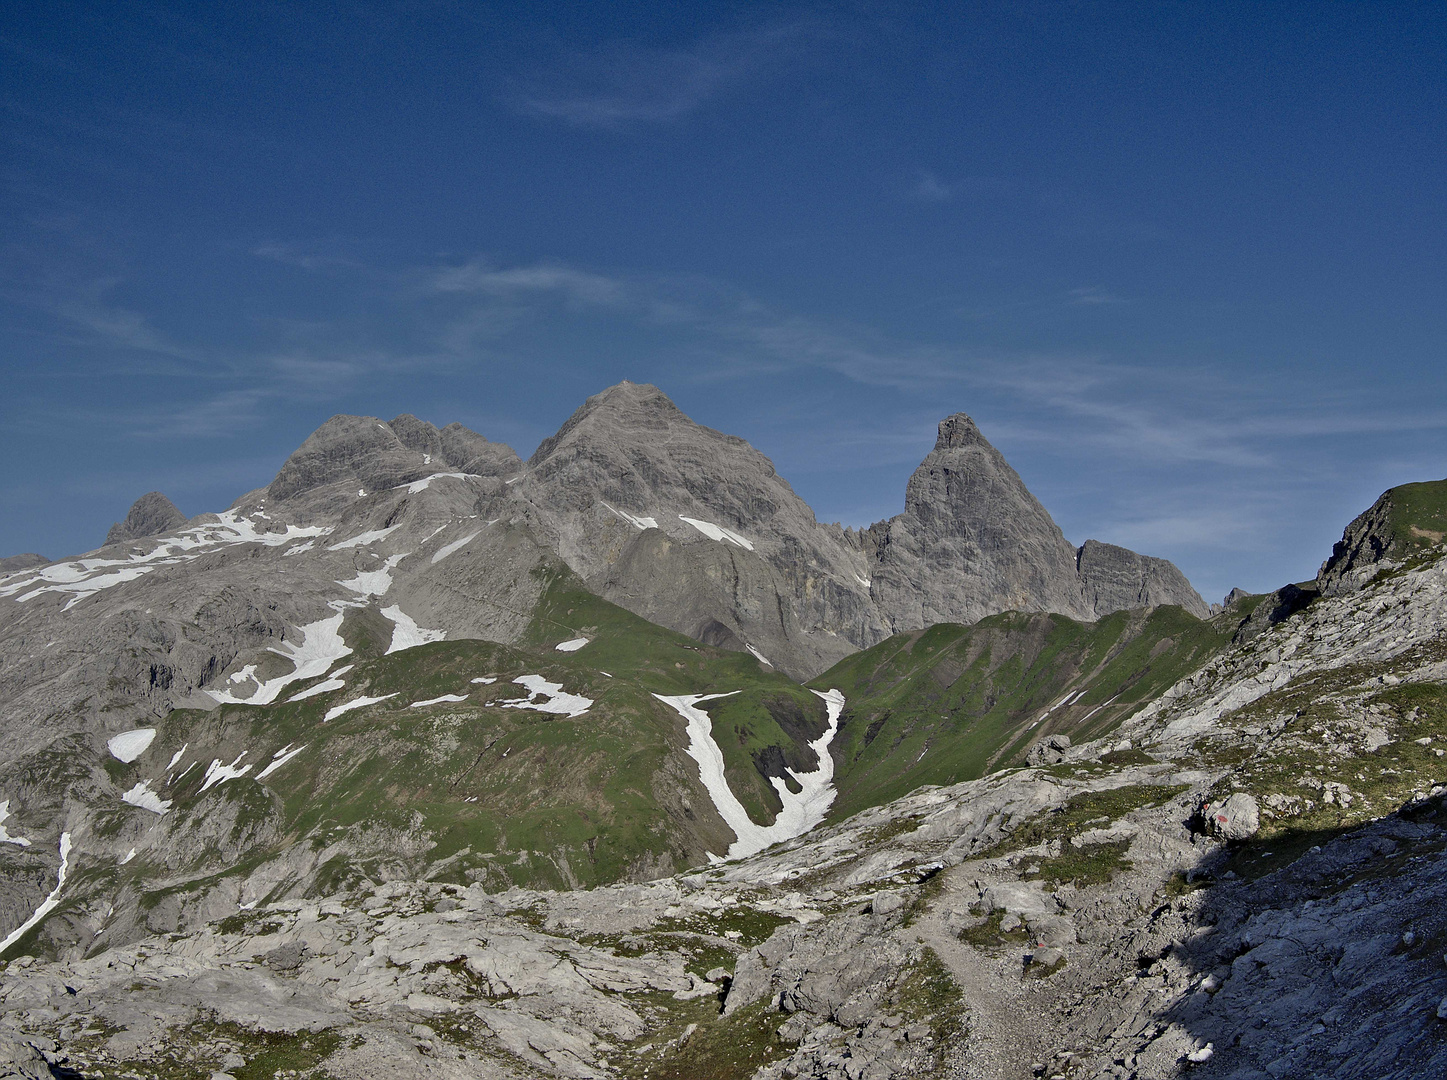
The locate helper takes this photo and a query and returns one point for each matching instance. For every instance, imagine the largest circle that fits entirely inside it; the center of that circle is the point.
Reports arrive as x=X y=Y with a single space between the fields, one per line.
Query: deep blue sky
x=1186 y=264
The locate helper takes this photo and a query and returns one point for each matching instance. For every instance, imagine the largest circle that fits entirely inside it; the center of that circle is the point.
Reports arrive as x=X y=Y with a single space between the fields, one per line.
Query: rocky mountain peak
x=149 y=515
x=364 y=451
x=626 y=412
x=959 y=430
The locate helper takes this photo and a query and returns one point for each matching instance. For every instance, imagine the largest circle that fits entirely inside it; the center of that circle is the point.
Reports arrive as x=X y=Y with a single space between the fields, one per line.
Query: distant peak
x=958 y=430
x=151 y=514
x=642 y=395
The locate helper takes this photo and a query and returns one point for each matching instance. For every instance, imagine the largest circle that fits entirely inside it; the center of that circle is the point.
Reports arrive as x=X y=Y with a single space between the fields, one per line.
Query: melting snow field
x=800 y=813
x=347 y=706
x=444 y=699
x=48 y=904
x=129 y=745
x=5 y=837
x=406 y=634
x=760 y=657
x=86 y=577
x=640 y=523
x=555 y=700
x=141 y=795
x=374 y=582
x=571 y=646
x=321 y=647
x=280 y=758
x=217 y=773
x=718 y=532
x=365 y=538
x=422 y=485
x=456 y=545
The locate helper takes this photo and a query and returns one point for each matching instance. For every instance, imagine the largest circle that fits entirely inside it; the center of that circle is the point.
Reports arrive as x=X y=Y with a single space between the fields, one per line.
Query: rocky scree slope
x=1243 y=878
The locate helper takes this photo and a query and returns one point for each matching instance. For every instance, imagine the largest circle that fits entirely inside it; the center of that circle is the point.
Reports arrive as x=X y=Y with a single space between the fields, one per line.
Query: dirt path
x=1008 y=1025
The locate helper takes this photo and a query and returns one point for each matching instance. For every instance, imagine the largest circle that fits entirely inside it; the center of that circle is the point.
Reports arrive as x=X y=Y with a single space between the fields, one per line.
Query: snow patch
x=5 y=837
x=862 y=580
x=374 y=582
x=365 y=538
x=718 y=532
x=801 y=812
x=760 y=657
x=217 y=773
x=422 y=485
x=406 y=634
x=438 y=700
x=141 y=795
x=356 y=703
x=128 y=856
x=555 y=701
x=447 y=549
x=321 y=647
x=129 y=745
x=571 y=646
x=484 y=680
x=48 y=904
x=176 y=757
x=640 y=523
x=325 y=687
x=280 y=758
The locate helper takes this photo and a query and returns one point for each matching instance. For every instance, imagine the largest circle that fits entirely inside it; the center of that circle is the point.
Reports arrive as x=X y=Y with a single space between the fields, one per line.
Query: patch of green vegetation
x=730 y=1047
x=949 y=703
x=926 y=990
x=1093 y=864
x=1418 y=517
x=989 y=935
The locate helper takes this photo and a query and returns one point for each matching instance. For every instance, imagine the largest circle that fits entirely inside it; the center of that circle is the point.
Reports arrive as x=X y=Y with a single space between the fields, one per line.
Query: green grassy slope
x=494 y=793
x=953 y=702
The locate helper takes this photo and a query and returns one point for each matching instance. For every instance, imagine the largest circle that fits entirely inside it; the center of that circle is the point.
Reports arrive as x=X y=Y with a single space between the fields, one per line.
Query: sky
x=1183 y=263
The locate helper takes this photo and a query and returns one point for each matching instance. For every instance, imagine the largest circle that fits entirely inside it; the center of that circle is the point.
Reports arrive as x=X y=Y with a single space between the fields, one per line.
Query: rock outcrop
x=1116 y=578
x=150 y=515
x=21 y=562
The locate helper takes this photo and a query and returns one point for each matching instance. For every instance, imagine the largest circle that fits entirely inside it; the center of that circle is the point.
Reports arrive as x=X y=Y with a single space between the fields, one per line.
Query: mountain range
x=627 y=714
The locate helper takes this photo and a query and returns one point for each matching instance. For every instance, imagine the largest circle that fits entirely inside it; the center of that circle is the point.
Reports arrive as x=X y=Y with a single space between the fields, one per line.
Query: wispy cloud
x=1091 y=295
x=623 y=84
x=930 y=188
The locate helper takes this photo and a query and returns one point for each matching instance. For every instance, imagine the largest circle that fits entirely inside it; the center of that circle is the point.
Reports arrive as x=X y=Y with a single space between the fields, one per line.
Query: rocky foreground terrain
x=1107 y=840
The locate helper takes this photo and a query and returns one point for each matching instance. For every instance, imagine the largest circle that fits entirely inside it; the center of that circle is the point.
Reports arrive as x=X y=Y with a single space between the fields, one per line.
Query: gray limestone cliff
x=1116 y=578
x=972 y=541
x=695 y=530
x=150 y=515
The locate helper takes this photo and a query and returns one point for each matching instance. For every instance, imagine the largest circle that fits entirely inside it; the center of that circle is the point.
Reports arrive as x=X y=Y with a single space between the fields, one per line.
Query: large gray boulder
x=150 y=515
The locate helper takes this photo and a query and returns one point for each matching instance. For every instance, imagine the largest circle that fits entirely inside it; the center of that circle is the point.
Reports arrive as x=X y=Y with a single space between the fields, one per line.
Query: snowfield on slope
x=801 y=812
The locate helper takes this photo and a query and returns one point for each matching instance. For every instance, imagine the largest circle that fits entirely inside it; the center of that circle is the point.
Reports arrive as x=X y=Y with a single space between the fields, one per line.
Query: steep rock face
x=695 y=530
x=1115 y=578
x=1404 y=521
x=972 y=541
x=150 y=515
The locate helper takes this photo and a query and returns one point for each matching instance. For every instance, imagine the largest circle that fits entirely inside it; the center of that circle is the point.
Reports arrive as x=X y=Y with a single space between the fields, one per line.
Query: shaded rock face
x=614 y=490
x=972 y=541
x=150 y=515
x=1115 y=578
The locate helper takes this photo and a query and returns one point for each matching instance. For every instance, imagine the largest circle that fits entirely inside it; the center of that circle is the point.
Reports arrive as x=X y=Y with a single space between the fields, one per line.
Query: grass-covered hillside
x=952 y=702
x=441 y=772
